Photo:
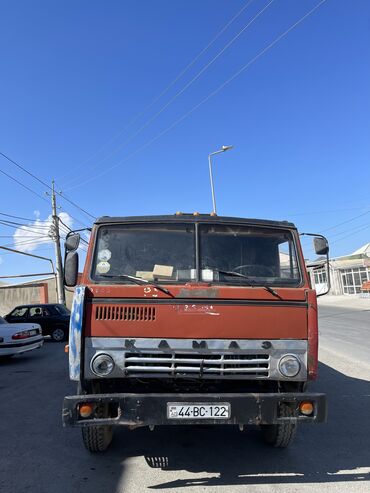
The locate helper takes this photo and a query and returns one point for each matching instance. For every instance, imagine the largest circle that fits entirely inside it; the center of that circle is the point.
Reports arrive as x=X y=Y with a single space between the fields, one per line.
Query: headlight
x=102 y=365
x=289 y=365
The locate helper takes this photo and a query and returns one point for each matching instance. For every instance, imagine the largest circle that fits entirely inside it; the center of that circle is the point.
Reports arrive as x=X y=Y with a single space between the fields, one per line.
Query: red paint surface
x=313 y=335
x=204 y=319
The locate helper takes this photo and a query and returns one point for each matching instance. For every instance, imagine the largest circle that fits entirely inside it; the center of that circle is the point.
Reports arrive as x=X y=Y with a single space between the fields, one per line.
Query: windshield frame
x=301 y=281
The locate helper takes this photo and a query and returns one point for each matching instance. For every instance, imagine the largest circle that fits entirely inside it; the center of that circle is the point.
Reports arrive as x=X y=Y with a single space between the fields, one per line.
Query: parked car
x=19 y=338
x=53 y=318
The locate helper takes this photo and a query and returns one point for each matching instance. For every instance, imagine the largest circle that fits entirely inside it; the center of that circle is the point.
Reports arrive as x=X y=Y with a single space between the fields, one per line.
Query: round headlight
x=102 y=365
x=289 y=365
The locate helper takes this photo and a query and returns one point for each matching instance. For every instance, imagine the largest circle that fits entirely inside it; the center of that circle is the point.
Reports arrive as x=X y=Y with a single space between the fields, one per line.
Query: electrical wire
x=196 y=77
x=37 y=226
x=12 y=236
x=16 y=217
x=167 y=88
x=328 y=211
x=42 y=182
x=30 y=190
x=38 y=233
x=70 y=230
x=345 y=222
x=45 y=239
x=353 y=232
x=207 y=98
x=23 y=185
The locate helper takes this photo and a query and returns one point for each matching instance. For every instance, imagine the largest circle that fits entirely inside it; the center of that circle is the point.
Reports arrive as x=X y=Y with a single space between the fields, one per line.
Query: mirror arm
x=328 y=279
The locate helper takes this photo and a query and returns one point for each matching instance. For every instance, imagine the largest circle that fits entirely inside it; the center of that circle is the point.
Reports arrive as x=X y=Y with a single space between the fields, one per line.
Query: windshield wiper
x=250 y=282
x=138 y=280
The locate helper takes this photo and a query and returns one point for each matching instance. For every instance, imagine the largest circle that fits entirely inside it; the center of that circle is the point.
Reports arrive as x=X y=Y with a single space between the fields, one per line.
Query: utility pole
x=58 y=254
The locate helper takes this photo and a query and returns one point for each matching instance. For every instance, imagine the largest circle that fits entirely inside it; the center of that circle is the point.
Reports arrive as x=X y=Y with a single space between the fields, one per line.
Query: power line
x=42 y=182
x=342 y=223
x=23 y=185
x=353 y=232
x=167 y=88
x=345 y=222
x=35 y=232
x=328 y=211
x=196 y=77
x=213 y=93
x=38 y=241
x=12 y=236
x=39 y=226
x=16 y=217
x=354 y=229
x=43 y=250
x=31 y=227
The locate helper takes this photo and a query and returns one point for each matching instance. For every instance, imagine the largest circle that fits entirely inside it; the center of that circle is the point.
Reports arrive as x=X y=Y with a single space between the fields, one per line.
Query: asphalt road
x=38 y=456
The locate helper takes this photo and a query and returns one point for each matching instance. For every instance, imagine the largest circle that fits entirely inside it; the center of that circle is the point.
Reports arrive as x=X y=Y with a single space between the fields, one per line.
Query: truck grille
x=172 y=364
x=129 y=313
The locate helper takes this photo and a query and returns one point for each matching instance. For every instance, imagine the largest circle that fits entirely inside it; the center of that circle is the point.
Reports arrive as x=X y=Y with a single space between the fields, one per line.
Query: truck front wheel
x=281 y=435
x=97 y=438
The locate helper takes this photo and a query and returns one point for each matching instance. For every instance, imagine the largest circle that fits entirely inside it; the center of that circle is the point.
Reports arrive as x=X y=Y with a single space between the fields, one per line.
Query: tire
x=58 y=334
x=281 y=435
x=97 y=438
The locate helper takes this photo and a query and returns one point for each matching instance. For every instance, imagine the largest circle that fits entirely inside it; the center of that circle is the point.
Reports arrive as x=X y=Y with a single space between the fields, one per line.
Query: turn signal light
x=86 y=410
x=306 y=408
x=66 y=348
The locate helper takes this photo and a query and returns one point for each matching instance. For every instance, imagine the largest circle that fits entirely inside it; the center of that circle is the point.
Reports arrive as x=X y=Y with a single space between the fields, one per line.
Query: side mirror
x=321 y=245
x=71 y=269
x=72 y=242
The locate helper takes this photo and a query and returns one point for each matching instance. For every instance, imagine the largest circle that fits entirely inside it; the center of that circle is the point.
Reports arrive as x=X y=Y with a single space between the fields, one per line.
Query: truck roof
x=194 y=217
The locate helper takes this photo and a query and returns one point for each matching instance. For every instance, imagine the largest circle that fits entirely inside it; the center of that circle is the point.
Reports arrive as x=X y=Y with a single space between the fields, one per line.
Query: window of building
x=320 y=277
x=353 y=279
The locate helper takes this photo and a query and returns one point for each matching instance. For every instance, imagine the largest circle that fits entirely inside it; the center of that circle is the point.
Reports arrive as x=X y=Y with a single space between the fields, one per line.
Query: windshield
x=227 y=254
x=263 y=256
x=2 y=321
x=147 y=251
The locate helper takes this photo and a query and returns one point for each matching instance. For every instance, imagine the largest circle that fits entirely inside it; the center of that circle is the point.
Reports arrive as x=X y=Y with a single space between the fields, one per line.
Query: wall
x=28 y=293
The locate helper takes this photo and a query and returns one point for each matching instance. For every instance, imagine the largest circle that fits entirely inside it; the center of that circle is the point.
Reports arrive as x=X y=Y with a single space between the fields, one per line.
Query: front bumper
x=8 y=349
x=151 y=409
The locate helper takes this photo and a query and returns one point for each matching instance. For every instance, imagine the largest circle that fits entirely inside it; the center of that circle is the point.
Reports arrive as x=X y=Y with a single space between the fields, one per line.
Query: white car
x=19 y=338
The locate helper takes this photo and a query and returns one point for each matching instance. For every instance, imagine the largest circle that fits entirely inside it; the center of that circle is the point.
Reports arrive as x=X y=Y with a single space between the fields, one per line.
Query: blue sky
x=75 y=74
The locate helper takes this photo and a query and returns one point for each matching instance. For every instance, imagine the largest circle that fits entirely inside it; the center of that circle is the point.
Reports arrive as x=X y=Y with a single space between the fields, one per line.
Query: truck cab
x=192 y=319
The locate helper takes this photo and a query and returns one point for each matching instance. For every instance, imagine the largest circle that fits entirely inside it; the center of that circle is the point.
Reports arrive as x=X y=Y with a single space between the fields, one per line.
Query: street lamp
x=223 y=149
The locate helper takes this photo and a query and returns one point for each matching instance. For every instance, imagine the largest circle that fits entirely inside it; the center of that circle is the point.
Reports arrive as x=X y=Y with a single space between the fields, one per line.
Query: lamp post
x=223 y=149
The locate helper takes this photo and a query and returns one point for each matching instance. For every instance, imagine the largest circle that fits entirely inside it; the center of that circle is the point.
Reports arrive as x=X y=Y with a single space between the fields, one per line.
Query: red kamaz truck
x=192 y=319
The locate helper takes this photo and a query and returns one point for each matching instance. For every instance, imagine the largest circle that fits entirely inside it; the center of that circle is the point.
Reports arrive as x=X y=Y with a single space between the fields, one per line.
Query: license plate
x=33 y=332
x=190 y=410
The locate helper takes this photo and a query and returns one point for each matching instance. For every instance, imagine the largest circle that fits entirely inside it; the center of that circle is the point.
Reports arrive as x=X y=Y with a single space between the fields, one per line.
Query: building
x=347 y=274
x=40 y=291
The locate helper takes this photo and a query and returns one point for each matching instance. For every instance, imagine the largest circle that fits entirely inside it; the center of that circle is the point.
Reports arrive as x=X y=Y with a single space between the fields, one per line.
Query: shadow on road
x=325 y=453
x=54 y=459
